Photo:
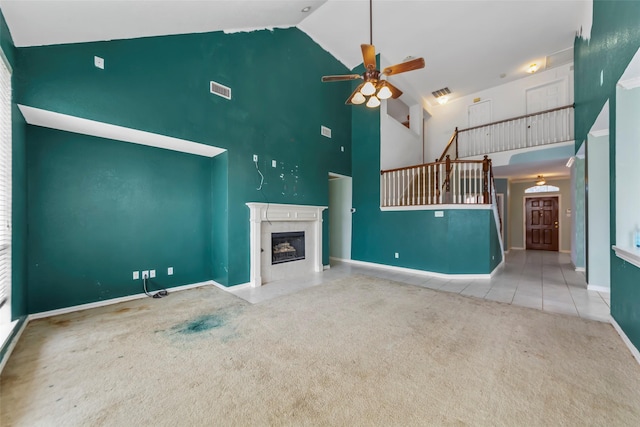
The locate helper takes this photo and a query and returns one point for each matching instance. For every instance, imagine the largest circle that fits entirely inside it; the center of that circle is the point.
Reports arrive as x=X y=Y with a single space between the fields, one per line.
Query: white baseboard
x=634 y=351
x=581 y=269
x=12 y=344
x=603 y=289
x=564 y=252
x=498 y=268
x=332 y=258
x=418 y=272
x=517 y=249
x=111 y=301
x=233 y=288
x=326 y=267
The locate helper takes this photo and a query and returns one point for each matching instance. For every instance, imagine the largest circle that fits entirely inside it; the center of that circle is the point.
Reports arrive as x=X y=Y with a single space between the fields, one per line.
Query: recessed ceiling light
x=306 y=9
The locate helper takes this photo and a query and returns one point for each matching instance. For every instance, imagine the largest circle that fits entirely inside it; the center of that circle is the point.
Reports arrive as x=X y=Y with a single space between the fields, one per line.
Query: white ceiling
x=467 y=45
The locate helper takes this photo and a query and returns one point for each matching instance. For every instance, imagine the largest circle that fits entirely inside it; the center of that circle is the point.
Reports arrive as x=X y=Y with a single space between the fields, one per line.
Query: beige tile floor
x=536 y=279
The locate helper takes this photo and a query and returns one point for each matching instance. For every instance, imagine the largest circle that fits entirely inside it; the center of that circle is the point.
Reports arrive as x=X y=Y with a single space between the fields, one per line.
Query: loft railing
x=458 y=182
x=440 y=182
x=531 y=130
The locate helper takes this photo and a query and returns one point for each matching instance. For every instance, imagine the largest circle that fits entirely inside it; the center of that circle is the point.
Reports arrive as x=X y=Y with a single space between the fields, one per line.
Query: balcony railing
x=531 y=130
x=441 y=182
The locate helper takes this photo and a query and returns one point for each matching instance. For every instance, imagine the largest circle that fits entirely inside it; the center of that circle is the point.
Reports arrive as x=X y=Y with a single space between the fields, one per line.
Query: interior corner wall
x=220 y=218
x=161 y=85
x=502 y=187
x=516 y=212
x=615 y=39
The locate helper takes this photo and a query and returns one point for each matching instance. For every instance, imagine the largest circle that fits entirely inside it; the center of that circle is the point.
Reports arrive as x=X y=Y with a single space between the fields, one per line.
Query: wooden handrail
x=454 y=137
x=516 y=118
x=382 y=172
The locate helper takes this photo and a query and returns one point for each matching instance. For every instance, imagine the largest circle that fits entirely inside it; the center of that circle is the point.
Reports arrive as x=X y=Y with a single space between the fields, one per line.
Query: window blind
x=5 y=184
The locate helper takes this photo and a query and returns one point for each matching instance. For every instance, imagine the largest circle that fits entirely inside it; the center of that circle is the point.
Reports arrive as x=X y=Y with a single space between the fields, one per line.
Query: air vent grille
x=441 y=92
x=220 y=90
x=559 y=58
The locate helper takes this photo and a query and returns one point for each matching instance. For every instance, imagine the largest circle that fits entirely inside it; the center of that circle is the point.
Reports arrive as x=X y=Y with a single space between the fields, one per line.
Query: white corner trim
x=603 y=289
x=599 y=133
x=111 y=301
x=234 y=288
x=12 y=344
x=326 y=267
x=418 y=272
x=53 y=120
x=443 y=207
x=631 y=255
x=634 y=351
x=631 y=83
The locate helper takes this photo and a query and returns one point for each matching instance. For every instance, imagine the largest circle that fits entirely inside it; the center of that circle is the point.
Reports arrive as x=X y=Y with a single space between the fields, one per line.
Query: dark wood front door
x=542 y=223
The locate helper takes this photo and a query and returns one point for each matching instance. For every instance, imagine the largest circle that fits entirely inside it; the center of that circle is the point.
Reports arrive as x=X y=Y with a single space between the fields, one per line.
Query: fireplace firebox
x=287 y=247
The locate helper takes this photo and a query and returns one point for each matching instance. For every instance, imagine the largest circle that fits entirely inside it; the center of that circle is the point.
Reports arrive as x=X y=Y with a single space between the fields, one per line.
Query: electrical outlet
x=397 y=255
x=136 y=275
x=98 y=62
x=274 y=163
x=255 y=157
x=152 y=274
x=170 y=271
x=145 y=274
x=342 y=149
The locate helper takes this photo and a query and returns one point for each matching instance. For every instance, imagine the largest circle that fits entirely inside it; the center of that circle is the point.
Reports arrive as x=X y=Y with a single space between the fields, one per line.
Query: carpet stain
x=203 y=323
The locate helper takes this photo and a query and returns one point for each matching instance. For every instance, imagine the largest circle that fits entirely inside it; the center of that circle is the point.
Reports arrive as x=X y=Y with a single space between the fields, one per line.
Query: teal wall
x=107 y=208
x=161 y=85
x=615 y=38
x=461 y=242
x=19 y=196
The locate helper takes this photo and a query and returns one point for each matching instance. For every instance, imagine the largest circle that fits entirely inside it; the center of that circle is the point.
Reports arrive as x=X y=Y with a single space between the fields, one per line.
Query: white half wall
x=399 y=145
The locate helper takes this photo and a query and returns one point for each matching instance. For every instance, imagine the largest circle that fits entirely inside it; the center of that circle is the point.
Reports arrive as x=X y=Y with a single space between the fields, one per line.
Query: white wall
x=400 y=146
x=599 y=246
x=340 y=193
x=627 y=165
x=507 y=101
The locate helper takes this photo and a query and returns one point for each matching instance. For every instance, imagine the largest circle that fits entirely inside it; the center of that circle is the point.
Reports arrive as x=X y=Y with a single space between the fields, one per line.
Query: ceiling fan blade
x=395 y=92
x=414 y=64
x=348 y=102
x=369 y=56
x=339 y=78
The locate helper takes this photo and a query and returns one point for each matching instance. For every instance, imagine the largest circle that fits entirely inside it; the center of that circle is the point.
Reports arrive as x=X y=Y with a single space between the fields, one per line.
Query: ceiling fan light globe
x=373 y=102
x=368 y=89
x=358 y=98
x=384 y=93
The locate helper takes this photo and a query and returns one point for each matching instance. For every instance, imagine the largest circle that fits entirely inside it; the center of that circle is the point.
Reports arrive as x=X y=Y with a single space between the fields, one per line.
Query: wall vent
x=441 y=92
x=220 y=90
x=559 y=58
x=325 y=131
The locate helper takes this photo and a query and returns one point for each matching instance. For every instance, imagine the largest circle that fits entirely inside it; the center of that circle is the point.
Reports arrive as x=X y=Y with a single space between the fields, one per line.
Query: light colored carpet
x=358 y=351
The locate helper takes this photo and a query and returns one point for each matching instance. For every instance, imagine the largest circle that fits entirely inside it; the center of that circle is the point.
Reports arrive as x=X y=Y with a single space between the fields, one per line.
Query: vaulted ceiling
x=468 y=45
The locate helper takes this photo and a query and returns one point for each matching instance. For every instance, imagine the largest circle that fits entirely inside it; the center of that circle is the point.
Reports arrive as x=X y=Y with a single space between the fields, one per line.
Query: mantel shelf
x=631 y=255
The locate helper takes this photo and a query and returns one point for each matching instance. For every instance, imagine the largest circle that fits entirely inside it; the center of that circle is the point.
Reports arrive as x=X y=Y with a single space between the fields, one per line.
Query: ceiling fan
x=373 y=86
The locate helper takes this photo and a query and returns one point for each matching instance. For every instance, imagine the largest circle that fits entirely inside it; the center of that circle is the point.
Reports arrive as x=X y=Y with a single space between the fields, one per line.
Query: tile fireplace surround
x=270 y=218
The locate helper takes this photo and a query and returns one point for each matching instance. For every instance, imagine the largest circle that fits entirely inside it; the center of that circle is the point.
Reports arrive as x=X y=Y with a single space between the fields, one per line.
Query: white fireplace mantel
x=269 y=212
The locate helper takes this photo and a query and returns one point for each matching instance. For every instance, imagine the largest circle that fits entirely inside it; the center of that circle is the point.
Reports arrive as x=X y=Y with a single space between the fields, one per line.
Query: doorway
x=541 y=223
x=340 y=194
